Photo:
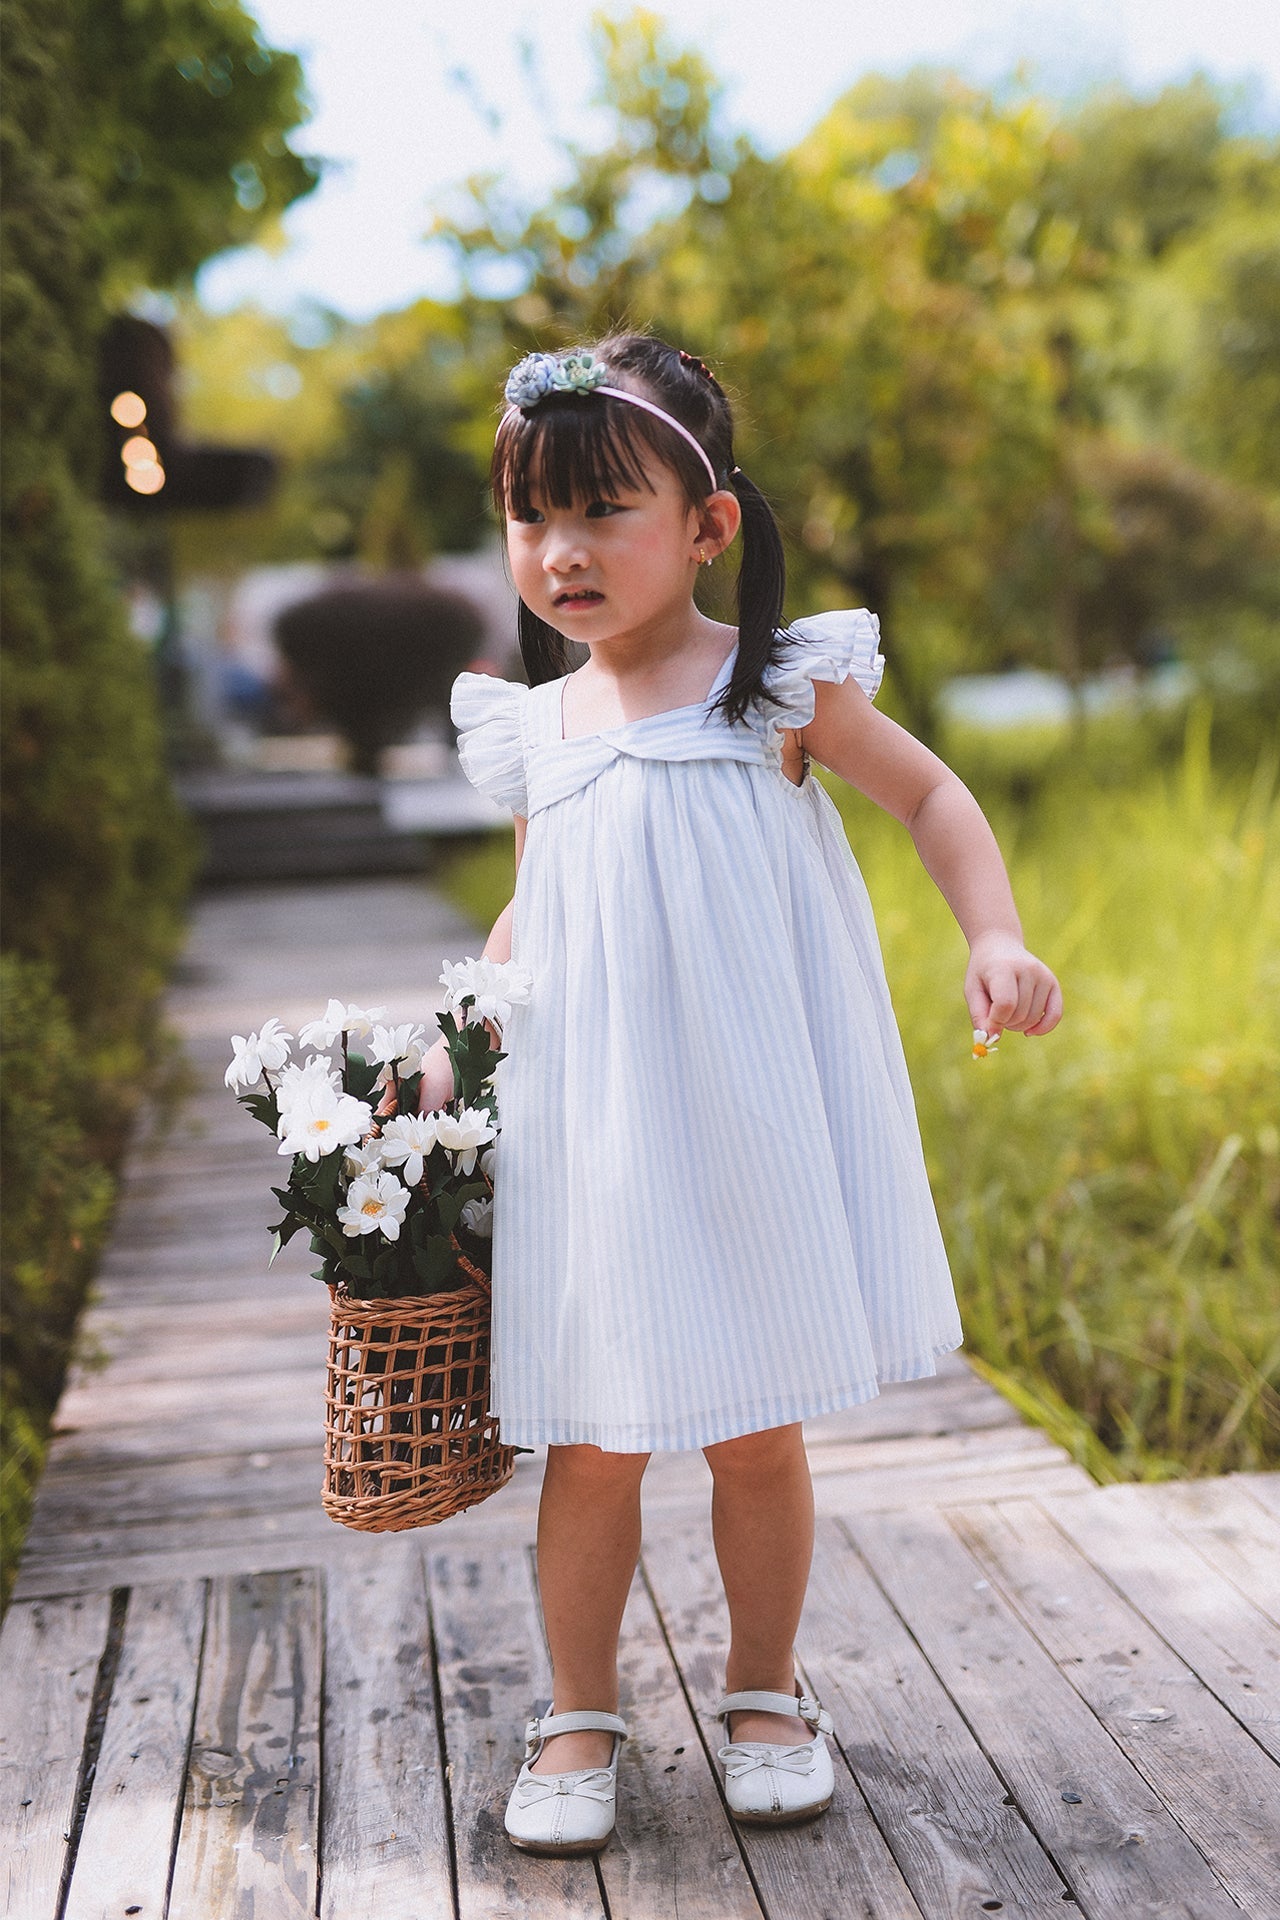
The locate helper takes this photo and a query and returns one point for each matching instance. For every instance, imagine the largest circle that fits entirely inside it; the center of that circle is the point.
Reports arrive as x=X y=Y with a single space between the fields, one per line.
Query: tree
x=181 y=135
x=929 y=305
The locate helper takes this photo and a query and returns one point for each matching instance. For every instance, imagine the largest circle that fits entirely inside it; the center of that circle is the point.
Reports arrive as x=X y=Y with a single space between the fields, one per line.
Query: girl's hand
x=1005 y=986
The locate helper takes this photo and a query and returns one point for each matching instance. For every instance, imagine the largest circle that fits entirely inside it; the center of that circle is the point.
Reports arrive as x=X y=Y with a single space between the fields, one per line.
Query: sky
x=409 y=98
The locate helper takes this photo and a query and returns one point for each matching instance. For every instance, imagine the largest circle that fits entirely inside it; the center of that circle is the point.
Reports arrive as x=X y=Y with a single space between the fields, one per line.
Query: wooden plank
x=838 y=1864
x=1116 y=1846
x=913 y=1451
x=161 y=1403
x=492 y=1672
x=674 y=1849
x=248 y=1840
x=955 y=1831
x=931 y=1406
x=385 y=1823
x=151 y=1326
x=71 y=1495
x=1199 y=1760
x=1230 y=1530
x=126 y=1847
x=890 y=1471
x=1262 y=1487
x=203 y=1366
x=49 y=1657
x=1000 y=1480
x=191 y=1533
x=275 y=1428
x=1203 y=1617
x=187 y=1563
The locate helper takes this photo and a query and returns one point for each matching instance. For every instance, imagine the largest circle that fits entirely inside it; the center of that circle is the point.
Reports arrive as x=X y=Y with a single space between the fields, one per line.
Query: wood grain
x=1100 y=1821
x=385 y=1813
x=957 y=1835
x=1156 y=1709
x=125 y=1854
x=835 y=1866
x=49 y=1658
x=249 y=1838
x=493 y=1674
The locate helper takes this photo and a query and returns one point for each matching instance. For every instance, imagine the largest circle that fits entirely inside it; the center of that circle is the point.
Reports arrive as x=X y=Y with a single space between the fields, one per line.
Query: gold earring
x=702 y=558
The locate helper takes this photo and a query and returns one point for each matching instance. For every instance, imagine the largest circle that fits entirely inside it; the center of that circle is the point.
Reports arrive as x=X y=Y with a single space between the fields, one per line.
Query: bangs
x=577 y=448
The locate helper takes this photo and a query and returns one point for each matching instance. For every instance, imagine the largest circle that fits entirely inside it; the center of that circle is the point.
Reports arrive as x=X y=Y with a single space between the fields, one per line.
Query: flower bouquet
x=399 y=1207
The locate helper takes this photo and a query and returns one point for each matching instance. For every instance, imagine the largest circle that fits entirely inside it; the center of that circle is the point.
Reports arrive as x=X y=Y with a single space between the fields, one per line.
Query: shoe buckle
x=816 y=1716
x=532 y=1737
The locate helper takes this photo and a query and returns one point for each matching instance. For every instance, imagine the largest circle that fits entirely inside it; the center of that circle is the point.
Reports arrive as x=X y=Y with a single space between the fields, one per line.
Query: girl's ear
x=718 y=521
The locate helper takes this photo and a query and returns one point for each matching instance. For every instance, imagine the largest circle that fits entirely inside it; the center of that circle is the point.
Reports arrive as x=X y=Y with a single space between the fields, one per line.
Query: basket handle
x=474 y=1273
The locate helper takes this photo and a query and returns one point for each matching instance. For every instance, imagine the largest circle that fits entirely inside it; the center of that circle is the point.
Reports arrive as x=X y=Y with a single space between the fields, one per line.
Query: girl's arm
x=1005 y=985
x=437 y=1072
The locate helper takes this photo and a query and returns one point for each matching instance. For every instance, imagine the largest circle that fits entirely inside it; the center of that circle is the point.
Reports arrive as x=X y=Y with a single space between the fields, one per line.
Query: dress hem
x=570 y=1433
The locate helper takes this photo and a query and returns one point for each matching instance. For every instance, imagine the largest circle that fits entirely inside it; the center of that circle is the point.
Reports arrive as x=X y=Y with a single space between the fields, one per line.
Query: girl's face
x=611 y=566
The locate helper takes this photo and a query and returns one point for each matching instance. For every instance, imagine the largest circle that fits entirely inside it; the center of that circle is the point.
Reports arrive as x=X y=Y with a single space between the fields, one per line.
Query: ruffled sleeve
x=831 y=646
x=489 y=714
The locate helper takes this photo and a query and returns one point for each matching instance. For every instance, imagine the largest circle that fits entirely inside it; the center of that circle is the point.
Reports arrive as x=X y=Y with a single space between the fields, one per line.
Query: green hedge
x=96 y=854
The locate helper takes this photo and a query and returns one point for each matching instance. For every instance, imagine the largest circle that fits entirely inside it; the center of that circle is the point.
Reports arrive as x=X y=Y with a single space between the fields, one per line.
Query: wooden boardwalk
x=1048 y=1696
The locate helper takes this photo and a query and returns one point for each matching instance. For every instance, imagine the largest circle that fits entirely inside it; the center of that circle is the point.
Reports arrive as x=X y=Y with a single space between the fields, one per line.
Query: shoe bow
x=593 y=1783
x=743 y=1756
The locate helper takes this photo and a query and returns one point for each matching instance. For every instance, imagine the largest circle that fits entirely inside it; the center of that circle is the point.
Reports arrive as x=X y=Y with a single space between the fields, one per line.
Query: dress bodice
x=510 y=738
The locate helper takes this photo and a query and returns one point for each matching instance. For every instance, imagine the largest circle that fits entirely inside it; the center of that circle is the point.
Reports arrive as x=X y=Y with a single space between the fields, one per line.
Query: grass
x=1110 y=1192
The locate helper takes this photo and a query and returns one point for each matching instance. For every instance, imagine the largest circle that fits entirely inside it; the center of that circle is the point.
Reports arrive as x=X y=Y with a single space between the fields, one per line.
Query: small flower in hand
x=1007 y=987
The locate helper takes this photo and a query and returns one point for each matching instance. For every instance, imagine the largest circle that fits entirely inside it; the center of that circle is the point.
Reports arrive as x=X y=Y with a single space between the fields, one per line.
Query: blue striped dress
x=711 y=1210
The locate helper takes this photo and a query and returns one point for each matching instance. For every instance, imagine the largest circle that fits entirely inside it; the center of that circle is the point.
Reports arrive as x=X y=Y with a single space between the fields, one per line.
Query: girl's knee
x=756 y=1452
x=592 y=1463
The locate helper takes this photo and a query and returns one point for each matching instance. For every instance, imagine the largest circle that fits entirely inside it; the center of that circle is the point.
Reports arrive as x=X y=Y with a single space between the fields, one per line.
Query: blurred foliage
x=374 y=426
x=1110 y=1193
x=1010 y=371
x=183 y=113
x=97 y=856
x=995 y=350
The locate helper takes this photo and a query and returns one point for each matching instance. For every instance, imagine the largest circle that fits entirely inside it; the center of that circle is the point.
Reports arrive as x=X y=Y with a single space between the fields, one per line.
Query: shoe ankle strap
x=760 y=1701
x=577 y=1720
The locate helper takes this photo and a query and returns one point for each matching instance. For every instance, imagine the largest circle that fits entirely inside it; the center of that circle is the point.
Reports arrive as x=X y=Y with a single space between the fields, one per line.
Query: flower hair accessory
x=540 y=374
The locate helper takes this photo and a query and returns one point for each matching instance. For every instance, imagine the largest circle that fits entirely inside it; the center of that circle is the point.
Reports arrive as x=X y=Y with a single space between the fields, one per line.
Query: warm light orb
x=128 y=409
x=145 y=479
x=139 y=452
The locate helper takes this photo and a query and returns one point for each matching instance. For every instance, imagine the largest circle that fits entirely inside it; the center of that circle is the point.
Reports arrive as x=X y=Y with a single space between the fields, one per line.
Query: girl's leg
x=762 y=1524
x=588 y=1545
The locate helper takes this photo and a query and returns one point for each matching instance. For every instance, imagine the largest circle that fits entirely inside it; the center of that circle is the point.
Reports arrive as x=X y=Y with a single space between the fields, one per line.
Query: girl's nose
x=564 y=551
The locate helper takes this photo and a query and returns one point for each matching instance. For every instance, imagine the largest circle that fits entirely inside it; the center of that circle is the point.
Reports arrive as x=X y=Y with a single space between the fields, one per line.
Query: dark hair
x=587 y=446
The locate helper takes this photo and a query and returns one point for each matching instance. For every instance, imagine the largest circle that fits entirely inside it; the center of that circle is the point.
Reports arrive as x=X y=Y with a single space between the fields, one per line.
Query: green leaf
x=263 y=1107
x=361 y=1076
x=436 y=1263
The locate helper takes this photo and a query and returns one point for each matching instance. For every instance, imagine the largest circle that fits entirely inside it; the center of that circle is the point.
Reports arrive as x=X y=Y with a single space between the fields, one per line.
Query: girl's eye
x=529 y=518
x=599 y=509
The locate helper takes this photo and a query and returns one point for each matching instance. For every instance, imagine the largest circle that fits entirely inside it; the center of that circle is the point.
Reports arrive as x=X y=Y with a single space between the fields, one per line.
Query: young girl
x=712 y=1219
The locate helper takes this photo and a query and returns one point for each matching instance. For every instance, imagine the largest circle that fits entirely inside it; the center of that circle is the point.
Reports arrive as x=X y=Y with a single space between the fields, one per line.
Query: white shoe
x=771 y=1784
x=564 y=1812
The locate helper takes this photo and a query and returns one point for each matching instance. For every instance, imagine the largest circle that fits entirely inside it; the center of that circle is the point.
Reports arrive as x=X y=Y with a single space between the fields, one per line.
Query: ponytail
x=760 y=592
x=543 y=651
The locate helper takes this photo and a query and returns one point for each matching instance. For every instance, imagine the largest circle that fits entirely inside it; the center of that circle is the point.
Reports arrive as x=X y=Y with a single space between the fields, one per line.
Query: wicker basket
x=409 y=1439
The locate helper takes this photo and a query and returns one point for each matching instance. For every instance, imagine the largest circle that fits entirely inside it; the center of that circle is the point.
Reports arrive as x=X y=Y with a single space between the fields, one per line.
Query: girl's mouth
x=580 y=597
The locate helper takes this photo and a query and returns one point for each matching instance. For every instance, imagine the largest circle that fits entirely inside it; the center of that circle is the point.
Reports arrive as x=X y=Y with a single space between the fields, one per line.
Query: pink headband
x=540 y=374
